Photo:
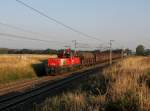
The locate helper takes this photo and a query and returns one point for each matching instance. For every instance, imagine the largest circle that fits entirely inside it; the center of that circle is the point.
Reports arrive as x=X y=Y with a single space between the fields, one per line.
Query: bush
x=96 y=85
x=129 y=102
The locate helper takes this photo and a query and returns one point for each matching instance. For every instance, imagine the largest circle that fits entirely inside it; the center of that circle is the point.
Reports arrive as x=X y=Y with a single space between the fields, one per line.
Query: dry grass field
x=17 y=67
x=129 y=80
x=125 y=86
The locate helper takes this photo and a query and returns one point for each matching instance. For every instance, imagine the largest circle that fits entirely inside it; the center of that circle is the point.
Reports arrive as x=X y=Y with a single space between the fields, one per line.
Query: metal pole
x=122 y=53
x=75 y=46
x=110 y=56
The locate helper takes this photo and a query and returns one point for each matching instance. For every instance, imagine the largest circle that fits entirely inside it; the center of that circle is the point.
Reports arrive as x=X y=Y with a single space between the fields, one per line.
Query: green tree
x=140 y=50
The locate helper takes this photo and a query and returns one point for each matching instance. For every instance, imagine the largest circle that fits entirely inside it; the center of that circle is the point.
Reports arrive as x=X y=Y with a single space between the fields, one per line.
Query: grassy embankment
x=18 y=67
x=125 y=86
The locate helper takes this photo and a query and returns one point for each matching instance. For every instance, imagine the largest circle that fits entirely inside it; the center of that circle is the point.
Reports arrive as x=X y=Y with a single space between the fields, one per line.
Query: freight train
x=67 y=60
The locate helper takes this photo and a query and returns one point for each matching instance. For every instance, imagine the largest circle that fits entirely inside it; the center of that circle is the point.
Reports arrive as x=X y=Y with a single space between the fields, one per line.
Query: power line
x=7 y=39
x=27 y=38
x=18 y=28
x=56 y=21
x=37 y=33
x=24 y=30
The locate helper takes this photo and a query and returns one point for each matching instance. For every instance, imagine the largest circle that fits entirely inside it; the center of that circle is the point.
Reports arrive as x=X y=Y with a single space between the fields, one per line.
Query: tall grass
x=16 y=67
x=76 y=101
x=125 y=78
x=123 y=86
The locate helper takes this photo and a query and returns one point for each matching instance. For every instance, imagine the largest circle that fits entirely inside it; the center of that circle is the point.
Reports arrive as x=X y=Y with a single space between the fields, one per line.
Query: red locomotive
x=65 y=61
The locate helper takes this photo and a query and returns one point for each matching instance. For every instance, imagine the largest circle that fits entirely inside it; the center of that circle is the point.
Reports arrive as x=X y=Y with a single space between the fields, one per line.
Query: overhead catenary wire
x=82 y=45
x=57 y=21
x=27 y=31
x=12 y=40
x=119 y=44
x=4 y=39
x=27 y=38
x=37 y=33
x=18 y=28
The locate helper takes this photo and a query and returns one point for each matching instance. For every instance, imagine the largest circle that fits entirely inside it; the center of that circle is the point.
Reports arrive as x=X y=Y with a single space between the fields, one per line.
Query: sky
x=127 y=22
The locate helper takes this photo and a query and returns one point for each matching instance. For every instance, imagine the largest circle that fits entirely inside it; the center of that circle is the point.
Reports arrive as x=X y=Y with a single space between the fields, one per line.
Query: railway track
x=11 y=103
x=27 y=84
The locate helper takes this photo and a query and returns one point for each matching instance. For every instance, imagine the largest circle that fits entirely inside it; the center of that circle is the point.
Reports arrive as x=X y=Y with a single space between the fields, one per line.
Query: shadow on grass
x=39 y=68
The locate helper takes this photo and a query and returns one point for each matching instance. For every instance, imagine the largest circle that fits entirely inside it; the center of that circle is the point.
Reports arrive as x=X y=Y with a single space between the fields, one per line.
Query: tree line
x=46 y=51
x=26 y=51
x=140 y=50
